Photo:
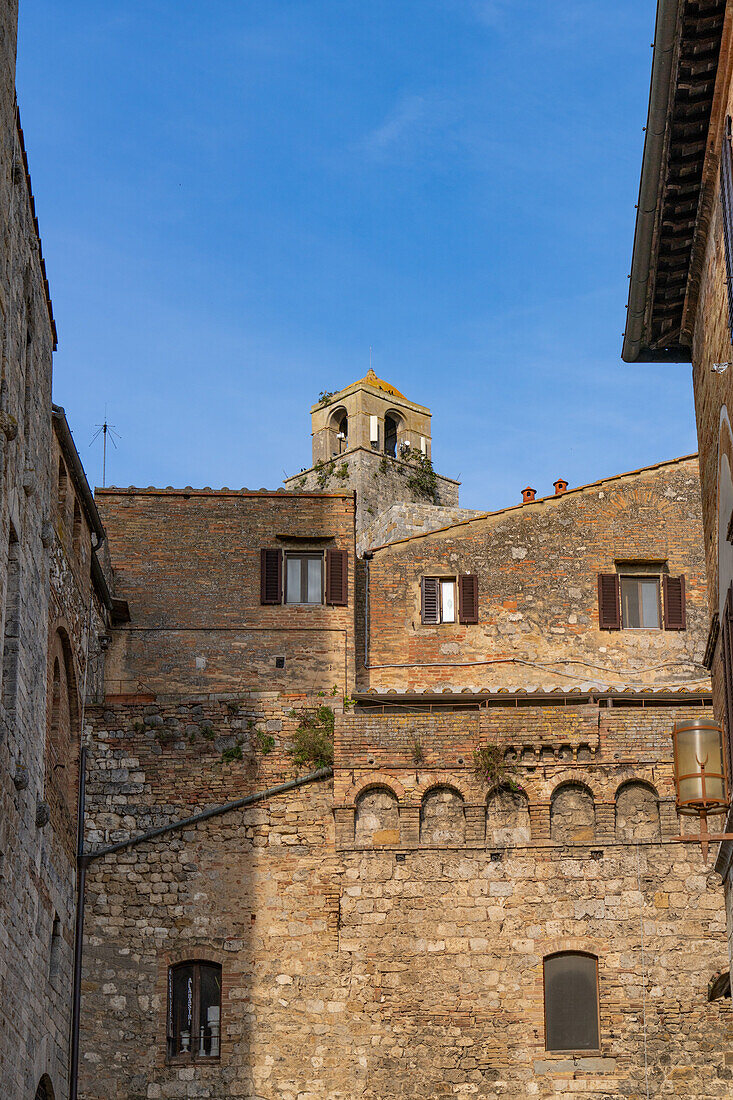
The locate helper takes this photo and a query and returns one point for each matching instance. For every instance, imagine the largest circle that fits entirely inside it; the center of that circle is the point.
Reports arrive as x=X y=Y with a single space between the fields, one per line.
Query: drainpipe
x=368 y=555
x=81 y=874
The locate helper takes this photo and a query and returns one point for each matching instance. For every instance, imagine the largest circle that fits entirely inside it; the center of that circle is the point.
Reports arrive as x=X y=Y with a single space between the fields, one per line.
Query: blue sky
x=237 y=198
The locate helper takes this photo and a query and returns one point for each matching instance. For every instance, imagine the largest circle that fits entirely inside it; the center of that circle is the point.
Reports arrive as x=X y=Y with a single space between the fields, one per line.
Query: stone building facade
x=681 y=304
x=36 y=876
x=501 y=803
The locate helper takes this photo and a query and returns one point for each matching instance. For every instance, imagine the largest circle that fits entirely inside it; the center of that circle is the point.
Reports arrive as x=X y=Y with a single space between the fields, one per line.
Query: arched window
x=343 y=428
x=62 y=742
x=45 y=1089
x=571 y=1001
x=194 y=1011
x=390 y=435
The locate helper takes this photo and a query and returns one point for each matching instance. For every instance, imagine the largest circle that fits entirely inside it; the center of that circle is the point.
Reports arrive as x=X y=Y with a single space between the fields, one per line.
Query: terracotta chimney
x=560 y=487
x=528 y=494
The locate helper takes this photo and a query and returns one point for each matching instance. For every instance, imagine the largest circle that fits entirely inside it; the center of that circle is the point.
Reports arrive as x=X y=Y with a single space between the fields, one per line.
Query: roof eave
x=643 y=257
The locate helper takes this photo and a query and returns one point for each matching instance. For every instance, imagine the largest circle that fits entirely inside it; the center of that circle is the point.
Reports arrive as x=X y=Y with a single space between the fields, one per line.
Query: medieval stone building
x=681 y=295
x=338 y=790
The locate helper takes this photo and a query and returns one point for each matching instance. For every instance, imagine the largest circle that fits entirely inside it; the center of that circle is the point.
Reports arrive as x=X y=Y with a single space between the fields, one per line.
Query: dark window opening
x=390 y=436
x=343 y=428
x=194 y=1011
x=54 y=954
x=61 y=489
x=304 y=578
x=571 y=1002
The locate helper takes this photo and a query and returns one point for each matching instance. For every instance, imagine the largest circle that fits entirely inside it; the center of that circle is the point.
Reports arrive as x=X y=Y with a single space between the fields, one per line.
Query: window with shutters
x=449 y=599
x=194 y=1011
x=571 y=1002
x=303 y=578
x=641 y=598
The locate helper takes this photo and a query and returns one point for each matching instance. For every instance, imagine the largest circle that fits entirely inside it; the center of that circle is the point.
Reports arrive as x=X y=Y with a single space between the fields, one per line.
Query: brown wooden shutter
x=673 y=592
x=726 y=639
x=726 y=200
x=430 y=600
x=609 y=602
x=467 y=598
x=271 y=576
x=337 y=577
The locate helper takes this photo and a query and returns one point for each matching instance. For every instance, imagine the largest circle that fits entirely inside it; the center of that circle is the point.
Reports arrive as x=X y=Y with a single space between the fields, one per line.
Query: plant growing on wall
x=324 y=397
x=418 y=753
x=421 y=478
x=313 y=739
x=490 y=766
x=324 y=471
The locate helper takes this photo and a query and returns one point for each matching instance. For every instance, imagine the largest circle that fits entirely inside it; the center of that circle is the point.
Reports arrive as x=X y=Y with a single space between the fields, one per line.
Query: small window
x=194 y=1011
x=438 y=599
x=571 y=1002
x=640 y=603
x=304 y=578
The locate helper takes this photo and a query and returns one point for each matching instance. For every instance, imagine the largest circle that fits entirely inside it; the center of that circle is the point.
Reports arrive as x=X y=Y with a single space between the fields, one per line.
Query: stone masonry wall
x=36 y=886
x=398 y=966
x=537 y=567
x=379 y=482
x=400 y=521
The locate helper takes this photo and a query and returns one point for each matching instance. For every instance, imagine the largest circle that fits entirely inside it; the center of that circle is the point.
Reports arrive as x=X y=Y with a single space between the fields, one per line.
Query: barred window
x=571 y=1001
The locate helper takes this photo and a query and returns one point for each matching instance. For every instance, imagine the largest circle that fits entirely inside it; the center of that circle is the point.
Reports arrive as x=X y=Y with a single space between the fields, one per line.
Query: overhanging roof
x=664 y=269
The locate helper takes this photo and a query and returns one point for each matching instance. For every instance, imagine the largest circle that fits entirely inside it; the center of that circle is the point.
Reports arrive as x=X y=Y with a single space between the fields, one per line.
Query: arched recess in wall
x=507 y=817
x=442 y=818
x=572 y=814
x=338 y=424
x=392 y=421
x=62 y=740
x=725 y=513
x=45 y=1089
x=377 y=820
x=637 y=812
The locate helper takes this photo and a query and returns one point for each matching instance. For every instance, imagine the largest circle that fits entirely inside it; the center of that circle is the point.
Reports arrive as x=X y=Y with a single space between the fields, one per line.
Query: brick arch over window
x=374 y=779
x=572 y=814
x=62 y=737
x=442 y=817
x=377 y=819
x=637 y=812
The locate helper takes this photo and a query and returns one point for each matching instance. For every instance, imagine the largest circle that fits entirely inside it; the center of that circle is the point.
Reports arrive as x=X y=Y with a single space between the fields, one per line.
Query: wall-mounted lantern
x=699 y=777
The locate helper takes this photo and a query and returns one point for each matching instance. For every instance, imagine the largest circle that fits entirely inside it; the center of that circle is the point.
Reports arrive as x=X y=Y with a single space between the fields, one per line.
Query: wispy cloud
x=412 y=129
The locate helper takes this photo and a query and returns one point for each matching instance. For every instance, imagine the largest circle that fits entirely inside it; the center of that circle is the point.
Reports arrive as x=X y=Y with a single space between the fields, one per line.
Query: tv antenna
x=106 y=429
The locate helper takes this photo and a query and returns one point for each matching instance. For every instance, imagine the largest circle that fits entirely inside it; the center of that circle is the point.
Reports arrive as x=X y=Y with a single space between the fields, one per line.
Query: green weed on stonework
x=313 y=739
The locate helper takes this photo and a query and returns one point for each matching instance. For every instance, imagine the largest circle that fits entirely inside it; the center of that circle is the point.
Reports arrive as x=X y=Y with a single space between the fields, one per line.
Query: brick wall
x=188 y=563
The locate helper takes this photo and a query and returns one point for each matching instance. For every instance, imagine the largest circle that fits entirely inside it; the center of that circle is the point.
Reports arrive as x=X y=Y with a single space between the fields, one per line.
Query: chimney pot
x=528 y=494
x=560 y=486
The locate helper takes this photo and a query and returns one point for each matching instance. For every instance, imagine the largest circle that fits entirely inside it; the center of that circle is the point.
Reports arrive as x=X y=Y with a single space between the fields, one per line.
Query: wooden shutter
x=673 y=592
x=430 y=601
x=609 y=602
x=337 y=577
x=726 y=200
x=726 y=637
x=271 y=576
x=467 y=598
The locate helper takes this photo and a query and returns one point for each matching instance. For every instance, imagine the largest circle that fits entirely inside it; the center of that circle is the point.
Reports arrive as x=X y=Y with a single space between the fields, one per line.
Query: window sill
x=187 y=1060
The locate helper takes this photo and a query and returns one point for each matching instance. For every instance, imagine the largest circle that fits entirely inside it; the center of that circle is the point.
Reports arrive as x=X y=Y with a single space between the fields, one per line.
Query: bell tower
x=372 y=439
